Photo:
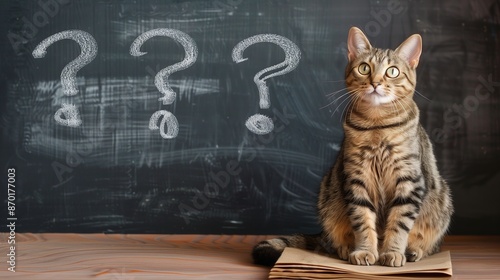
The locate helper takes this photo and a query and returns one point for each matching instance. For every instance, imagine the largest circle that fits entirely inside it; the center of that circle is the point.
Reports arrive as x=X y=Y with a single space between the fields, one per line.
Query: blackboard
x=110 y=172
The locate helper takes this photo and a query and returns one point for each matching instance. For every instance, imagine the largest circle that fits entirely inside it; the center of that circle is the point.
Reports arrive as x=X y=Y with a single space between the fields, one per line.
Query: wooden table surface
x=134 y=257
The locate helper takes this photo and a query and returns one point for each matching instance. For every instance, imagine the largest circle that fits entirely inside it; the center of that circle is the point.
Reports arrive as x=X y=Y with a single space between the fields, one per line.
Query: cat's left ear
x=410 y=50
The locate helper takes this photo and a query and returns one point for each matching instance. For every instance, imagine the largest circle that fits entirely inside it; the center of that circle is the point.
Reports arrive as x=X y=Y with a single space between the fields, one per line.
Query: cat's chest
x=376 y=160
x=378 y=156
x=376 y=149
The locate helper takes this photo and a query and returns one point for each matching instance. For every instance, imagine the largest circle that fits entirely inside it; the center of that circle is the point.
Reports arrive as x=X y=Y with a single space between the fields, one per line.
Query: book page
x=299 y=260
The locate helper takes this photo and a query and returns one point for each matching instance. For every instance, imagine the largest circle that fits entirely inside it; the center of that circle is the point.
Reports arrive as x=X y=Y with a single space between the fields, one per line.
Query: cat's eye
x=364 y=69
x=392 y=72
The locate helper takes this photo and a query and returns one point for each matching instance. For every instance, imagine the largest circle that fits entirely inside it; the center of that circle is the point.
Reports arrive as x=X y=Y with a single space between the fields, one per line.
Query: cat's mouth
x=377 y=97
x=375 y=92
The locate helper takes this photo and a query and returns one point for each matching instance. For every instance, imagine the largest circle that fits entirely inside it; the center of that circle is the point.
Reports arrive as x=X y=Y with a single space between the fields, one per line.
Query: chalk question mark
x=161 y=78
x=261 y=124
x=88 y=47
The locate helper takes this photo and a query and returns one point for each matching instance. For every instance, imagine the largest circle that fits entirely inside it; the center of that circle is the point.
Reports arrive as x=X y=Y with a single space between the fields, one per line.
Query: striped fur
x=383 y=201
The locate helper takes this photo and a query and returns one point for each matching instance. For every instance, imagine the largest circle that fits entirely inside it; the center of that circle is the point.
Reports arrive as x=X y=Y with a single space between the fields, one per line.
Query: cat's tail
x=268 y=251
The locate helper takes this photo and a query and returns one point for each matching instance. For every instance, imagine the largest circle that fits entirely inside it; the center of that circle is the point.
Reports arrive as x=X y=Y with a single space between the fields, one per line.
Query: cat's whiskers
x=400 y=107
x=336 y=99
x=337 y=81
x=359 y=98
x=340 y=104
x=394 y=107
x=349 y=101
x=344 y=110
x=407 y=114
x=356 y=99
x=403 y=103
x=355 y=103
x=335 y=92
x=421 y=95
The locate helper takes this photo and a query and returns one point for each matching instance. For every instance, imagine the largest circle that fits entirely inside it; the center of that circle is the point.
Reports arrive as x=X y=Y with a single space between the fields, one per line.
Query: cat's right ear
x=357 y=43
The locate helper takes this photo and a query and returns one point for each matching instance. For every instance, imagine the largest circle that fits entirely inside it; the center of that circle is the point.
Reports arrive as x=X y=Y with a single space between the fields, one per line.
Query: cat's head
x=378 y=77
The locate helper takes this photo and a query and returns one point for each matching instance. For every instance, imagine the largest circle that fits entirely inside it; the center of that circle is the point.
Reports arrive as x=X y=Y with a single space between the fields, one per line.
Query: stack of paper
x=301 y=264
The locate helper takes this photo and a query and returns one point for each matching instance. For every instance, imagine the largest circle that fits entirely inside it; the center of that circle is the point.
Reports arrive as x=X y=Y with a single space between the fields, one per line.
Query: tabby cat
x=384 y=200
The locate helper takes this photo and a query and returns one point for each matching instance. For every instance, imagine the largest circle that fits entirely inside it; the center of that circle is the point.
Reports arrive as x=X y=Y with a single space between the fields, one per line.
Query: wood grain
x=134 y=257
x=474 y=257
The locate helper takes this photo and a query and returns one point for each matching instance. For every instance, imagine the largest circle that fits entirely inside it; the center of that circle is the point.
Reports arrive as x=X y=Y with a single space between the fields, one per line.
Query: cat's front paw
x=343 y=252
x=361 y=257
x=414 y=255
x=392 y=259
